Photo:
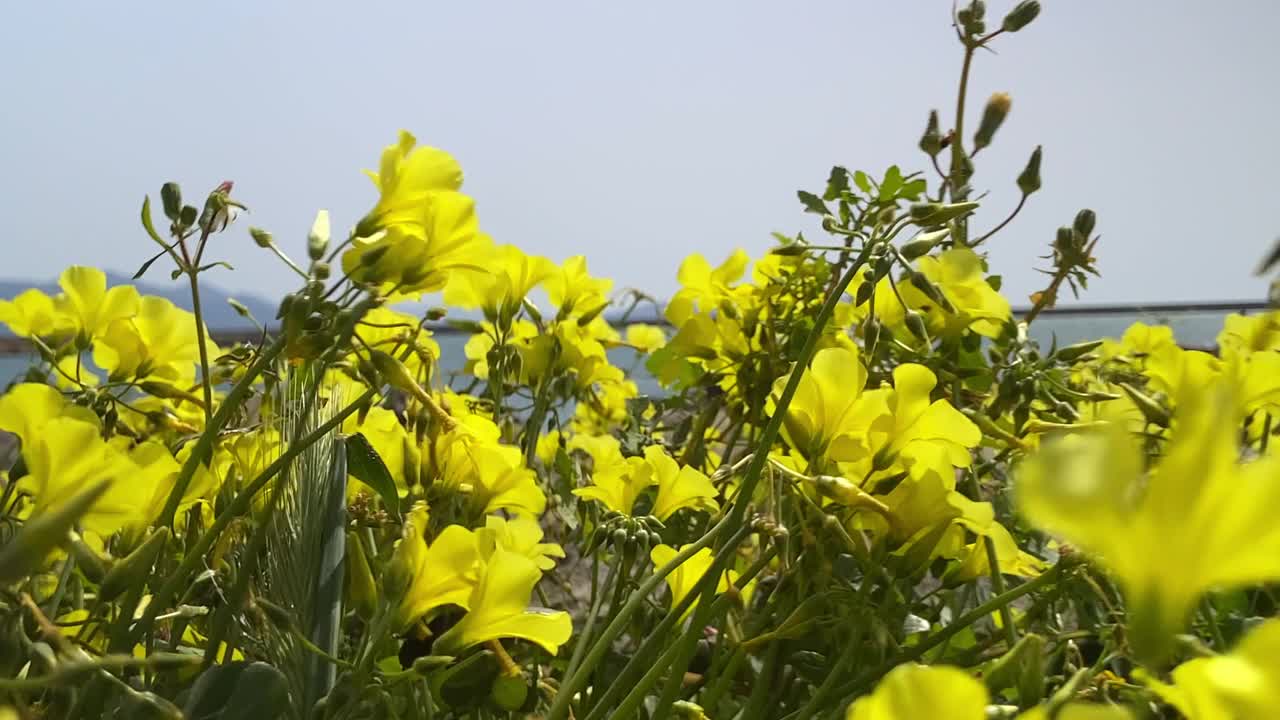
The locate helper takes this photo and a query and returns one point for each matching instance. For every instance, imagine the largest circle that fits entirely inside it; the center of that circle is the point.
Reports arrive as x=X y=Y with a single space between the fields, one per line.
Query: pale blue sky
x=638 y=132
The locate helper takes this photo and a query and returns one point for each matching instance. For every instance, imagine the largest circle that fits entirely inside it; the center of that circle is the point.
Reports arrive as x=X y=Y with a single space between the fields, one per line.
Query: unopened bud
x=321 y=271
x=1085 y=221
x=1029 y=180
x=992 y=118
x=915 y=324
x=133 y=569
x=261 y=237
x=1020 y=16
x=865 y=290
x=187 y=217
x=1065 y=239
x=436 y=314
x=171 y=197
x=931 y=141
x=318 y=238
x=1154 y=412
x=241 y=309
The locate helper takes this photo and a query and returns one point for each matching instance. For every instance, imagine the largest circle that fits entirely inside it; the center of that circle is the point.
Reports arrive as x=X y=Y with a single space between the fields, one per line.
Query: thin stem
x=997 y=587
x=913 y=653
x=206 y=382
x=1021 y=201
x=574 y=683
x=204 y=445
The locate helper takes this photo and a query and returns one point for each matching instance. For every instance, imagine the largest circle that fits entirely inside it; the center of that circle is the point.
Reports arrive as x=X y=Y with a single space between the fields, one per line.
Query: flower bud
x=1154 y=412
x=1071 y=353
x=261 y=237
x=931 y=141
x=1065 y=239
x=187 y=217
x=922 y=244
x=992 y=118
x=915 y=324
x=1029 y=180
x=1020 y=16
x=865 y=290
x=171 y=197
x=318 y=238
x=321 y=271
x=1085 y=221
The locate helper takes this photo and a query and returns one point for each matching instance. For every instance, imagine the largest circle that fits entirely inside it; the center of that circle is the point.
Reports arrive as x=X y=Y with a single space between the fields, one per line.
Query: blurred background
x=636 y=133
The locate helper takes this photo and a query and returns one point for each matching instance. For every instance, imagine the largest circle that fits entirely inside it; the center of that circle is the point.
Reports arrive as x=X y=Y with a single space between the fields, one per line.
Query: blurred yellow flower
x=1242 y=684
x=572 y=289
x=90 y=305
x=912 y=691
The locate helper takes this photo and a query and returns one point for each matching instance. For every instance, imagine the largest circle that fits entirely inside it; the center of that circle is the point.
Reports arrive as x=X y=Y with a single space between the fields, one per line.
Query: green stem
x=574 y=683
x=206 y=382
x=597 y=602
x=915 y=652
x=204 y=445
x=997 y=587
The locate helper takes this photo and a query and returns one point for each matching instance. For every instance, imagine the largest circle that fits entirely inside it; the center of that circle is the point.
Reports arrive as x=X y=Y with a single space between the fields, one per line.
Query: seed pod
x=915 y=324
x=931 y=141
x=1020 y=16
x=132 y=570
x=993 y=116
x=1029 y=179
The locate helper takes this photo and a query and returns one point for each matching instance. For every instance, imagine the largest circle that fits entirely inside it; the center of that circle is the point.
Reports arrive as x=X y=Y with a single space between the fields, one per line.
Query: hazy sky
x=637 y=132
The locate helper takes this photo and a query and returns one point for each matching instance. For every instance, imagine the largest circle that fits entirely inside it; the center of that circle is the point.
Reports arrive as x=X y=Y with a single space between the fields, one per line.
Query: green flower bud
x=1153 y=411
x=922 y=244
x=318 y=238
x=865 y=290
x=915 y=324
x=261 y=237
x=188 y=216
x=1020 y=16
x=1029 y=179
x=426 y=664
x=1085 y=221
x=90 y=563
x=1071 y=353
x=321 y=271
x=619 y=537
x=1065 y=240
x=362 y=590
x=930 y=213
x=171 y=197
x=931 y=141
x=436 y=314
x=993 y=116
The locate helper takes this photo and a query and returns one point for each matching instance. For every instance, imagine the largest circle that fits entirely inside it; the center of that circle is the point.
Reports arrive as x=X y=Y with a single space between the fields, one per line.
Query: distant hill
x=218 y=314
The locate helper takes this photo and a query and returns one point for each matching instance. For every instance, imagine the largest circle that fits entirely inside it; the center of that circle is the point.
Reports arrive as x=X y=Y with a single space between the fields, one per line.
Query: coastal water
x=1197 y=329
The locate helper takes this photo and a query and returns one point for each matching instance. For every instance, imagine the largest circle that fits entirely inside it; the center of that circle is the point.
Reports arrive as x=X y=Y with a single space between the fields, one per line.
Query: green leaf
x=27 y=551
x=862 y=181
x=913 y=189
x=365 y=465
x=812 y=203
x=837 y=183
x=147 y=265
x=891 y=184
x=238 y=691
x=148 y=225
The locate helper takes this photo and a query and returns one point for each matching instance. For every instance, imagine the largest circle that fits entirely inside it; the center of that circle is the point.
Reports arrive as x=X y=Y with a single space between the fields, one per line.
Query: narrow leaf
x=148 y=225
x=365 y=465
x=812 y=203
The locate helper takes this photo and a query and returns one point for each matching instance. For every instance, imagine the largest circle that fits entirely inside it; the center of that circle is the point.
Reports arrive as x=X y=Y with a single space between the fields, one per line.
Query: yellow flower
x=32 y=314
x=521 y=535
x=91 y=307
x=432 y=576
x=1245 y=335
x=678 y=487
x=684 y=579
x=645 y=338
x=27 y=407
x=520 y=334
x=407 y=179
x=570 y=288
x=1198 y=520
x=548 y=447
x=158 y=343
x=510 y=276
x=1242 y=684
x=913 y=691
x=925 y=434
x=829 y=417
x=618 y=485
x=498 y=608
x=421 y=257
x=959 y=274
x=705 y=288
x=494 y=473
x=393 y=332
